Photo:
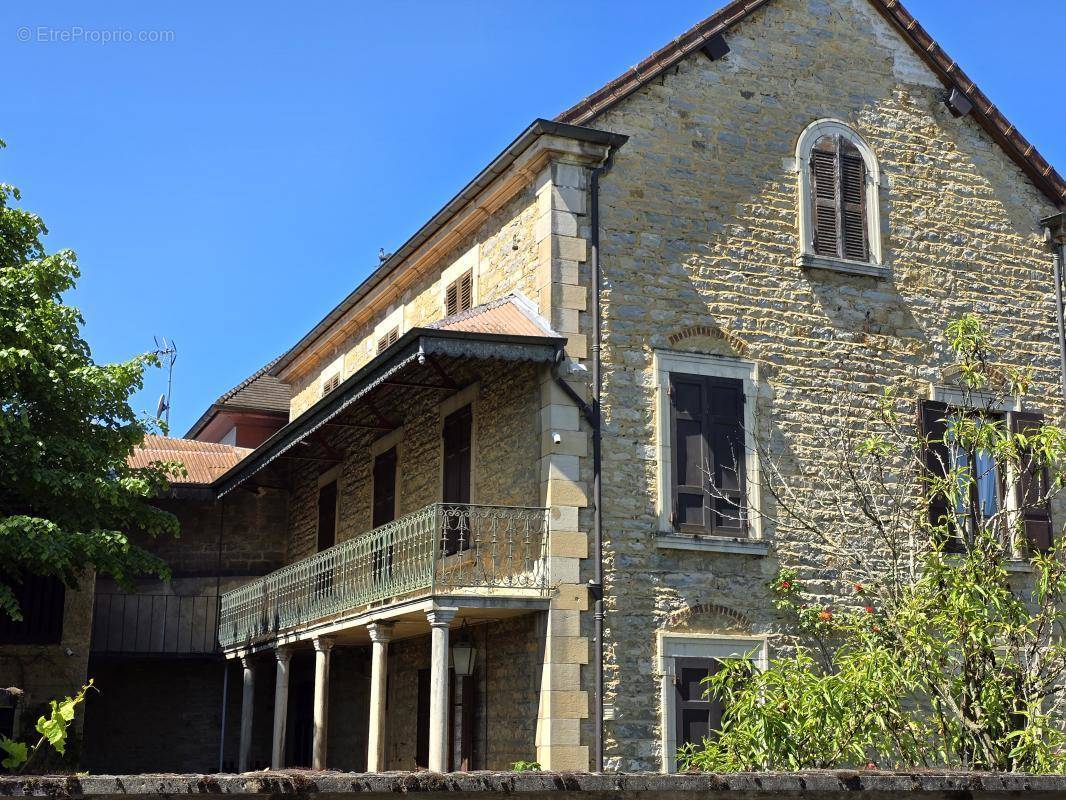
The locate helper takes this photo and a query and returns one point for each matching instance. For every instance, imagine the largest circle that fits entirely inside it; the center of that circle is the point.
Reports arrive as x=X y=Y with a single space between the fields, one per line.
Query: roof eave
x=499 y=165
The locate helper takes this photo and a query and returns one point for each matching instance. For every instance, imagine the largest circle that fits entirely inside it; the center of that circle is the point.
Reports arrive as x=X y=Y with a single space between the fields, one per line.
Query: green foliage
x=923 y=657
x=525 y=766
x=53 y=729
x=67 y=494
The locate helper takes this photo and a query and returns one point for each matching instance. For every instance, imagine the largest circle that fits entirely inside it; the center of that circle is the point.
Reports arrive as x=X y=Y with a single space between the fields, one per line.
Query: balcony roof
x=413 y=353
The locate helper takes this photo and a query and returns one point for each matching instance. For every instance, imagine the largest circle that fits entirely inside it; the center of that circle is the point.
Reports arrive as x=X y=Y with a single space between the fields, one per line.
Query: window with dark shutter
x=388 y=340
x=459 y=296
x=41 y=599
x=456 y=480
x=331 y=383
x=383 y=507
x=709 y=459
x=696 y=716
x=838 y=200
x=1032 y=488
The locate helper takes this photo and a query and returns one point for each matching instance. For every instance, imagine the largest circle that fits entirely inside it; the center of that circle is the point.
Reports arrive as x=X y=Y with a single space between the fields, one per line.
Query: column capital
x=283 y=654
x=322 y=644
x=380 y=632
x=441 y=617
x=246 y=661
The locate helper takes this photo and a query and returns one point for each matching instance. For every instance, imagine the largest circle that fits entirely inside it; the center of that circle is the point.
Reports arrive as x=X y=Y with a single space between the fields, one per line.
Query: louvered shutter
x=691 y=462
x=451 y=299
x=824 y=204
x=725 y=423
x=853 y=201
x=466 y=292
x=1032 y=485
x=932 y=419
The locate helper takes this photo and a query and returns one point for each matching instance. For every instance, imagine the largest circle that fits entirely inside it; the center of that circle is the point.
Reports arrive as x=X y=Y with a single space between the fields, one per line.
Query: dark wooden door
x=456 y=477
x=695 y=715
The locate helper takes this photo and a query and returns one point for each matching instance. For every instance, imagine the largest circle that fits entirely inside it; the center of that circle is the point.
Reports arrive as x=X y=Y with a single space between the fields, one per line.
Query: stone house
x=520 y=490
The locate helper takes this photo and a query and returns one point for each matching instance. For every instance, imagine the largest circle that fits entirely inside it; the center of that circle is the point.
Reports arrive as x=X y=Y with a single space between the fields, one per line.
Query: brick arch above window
x=709 y=332
x=709 y=617
x=839 y=200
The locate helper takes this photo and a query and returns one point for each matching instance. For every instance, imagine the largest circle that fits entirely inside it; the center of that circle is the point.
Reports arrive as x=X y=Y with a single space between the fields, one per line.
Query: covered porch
x=420 y=555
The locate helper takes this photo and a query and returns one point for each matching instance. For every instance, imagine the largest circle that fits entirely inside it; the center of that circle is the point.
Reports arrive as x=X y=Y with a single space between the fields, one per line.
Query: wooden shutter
x=384 y=503
x=327 y=515
x=455 y=491
x=1033 y=483
x=709 y=457
x=331 y=383
x=696 y=716
x=825 y=219
x=852 y=203
x=932 y=419
x=459 y=296
x=388 y=339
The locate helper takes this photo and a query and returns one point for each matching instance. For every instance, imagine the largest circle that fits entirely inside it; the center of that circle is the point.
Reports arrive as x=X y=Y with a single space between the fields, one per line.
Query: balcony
x=469 y=550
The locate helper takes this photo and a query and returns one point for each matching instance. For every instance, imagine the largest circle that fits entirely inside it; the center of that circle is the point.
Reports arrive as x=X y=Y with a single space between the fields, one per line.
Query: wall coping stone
x=615 y=786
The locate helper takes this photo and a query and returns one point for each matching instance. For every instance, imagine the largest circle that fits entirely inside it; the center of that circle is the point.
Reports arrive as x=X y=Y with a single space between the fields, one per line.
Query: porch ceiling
x=418 y=361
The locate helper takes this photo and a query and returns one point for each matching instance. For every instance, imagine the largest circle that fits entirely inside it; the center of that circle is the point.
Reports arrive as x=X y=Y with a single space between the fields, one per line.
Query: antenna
x=168 y=353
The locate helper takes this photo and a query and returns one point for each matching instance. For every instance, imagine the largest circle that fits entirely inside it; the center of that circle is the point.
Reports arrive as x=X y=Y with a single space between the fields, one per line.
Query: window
x=330 y=382
x=383 y=507
x=459 y=296
x=327 y=515
x=984 y=489
x=709 y=458
x=707 y=455
x=388 y=339
x=456 y=479
x=839 y=204
x=685 y=660
x=41 y=599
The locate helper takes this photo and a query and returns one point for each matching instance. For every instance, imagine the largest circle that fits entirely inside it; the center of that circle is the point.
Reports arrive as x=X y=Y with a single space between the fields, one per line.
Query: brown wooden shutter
x=451 y=299
x=456 y=475
x=1033 y=483
x=853 y=203
x=696 y=716
x=692 y=505
x=725 y=426
x=932 y=418
x=466 y=292
x=388 y=340
x=327 y=515
x=825 y=220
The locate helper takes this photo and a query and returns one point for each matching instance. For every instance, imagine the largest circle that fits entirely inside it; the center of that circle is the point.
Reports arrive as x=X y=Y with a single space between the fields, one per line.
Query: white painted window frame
x=807 y=257
x=665 y=362
x=671 y=646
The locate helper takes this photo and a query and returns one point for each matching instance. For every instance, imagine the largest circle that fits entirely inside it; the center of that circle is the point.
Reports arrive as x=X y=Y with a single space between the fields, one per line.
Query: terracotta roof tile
x=204 y=461
x=513 y=315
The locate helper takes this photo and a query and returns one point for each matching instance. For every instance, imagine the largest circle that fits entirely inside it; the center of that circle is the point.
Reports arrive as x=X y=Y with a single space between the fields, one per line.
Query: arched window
x=840 y=225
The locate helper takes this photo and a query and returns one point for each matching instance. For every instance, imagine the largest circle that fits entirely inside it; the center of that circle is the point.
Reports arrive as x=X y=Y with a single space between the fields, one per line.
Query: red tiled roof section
x=509 y=315
x=204 y=461
x=1020 y=149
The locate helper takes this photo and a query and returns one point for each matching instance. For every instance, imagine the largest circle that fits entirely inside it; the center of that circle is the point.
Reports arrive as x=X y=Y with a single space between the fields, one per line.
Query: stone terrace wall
x=829 y=785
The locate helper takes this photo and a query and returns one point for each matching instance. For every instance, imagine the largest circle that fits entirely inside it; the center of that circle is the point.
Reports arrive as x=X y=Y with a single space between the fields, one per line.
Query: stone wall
x=699 y=219
x=502 y=252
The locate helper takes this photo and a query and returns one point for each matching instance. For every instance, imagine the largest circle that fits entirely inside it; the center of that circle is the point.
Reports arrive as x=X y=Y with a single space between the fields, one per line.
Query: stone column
x=439 y=619
x=244 y=759
x=321 y=712
x=380 y=634
x=281 y=706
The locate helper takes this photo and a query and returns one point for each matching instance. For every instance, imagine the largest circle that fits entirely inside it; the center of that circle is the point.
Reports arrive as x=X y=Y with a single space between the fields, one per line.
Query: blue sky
x=227 y=187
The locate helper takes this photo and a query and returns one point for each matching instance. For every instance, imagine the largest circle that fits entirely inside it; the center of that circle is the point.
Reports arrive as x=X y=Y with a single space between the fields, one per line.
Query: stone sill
x=848 y=267
x=811 y=785
x=668 y=540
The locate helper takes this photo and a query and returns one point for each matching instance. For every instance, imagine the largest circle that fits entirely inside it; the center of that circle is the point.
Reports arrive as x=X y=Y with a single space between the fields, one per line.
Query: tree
x=930 y=630
x=67 y=494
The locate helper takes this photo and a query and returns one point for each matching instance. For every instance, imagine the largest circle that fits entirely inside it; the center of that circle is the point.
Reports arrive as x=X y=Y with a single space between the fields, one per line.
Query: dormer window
x=840 y=226
x=459 y=296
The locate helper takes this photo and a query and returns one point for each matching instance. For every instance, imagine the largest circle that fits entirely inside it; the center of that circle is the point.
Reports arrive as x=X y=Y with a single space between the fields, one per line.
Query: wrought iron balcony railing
x=442 y=548
x=154 y=624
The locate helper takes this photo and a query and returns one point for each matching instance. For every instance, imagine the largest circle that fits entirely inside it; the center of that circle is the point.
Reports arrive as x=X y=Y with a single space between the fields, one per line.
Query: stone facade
x=699 y=226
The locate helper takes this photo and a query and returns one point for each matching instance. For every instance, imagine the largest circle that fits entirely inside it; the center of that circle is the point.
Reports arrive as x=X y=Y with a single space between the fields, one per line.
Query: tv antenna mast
x=167 y=352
